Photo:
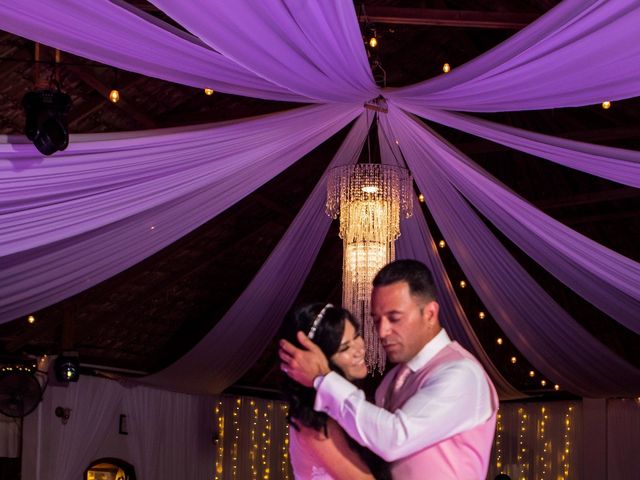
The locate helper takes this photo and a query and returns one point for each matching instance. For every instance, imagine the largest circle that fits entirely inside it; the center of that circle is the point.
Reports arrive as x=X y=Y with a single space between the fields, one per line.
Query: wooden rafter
x=448 y=18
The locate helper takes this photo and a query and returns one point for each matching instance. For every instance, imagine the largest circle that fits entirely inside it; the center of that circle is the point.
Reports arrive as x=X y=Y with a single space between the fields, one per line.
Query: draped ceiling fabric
x=72 y=220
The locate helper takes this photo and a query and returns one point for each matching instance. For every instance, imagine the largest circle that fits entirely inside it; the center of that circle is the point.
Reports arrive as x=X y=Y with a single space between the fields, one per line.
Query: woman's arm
x=334 y=453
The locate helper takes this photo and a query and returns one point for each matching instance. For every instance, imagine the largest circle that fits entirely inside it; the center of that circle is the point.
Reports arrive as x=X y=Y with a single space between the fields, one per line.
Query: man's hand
x=303 y=365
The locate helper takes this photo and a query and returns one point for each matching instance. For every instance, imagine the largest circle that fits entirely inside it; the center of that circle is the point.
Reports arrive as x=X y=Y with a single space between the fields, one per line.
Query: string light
x=253 y=451
x=544 y=459
x=442 y=244
x=514 y=360
x=220 y=442
x=284 y=462
x=421 y=198
x=499 y=341
x=446 y=68
x=114 y=95
x=481 y=315
x=31 y=319
x=556 y=387
x=543 y=383
x=236 y=437
x=463 y=284
x=568 y=421
x=522 y=448
x=606 y=104
x=532 y=373
x=208 y=91
x=499 y=429
x=373 y=41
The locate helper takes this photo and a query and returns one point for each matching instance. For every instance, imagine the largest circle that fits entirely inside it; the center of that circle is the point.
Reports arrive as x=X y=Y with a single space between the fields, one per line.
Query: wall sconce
x=122 y=425
x=63 y=414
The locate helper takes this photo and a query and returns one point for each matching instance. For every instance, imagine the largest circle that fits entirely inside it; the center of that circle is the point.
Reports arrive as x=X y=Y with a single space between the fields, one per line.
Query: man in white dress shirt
x=435 y=411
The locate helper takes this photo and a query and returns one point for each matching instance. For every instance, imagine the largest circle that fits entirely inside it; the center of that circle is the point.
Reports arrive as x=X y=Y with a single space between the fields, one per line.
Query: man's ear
x=430 y=312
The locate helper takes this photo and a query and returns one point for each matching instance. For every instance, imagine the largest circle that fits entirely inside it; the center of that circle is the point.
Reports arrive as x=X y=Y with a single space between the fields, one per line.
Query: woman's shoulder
x=307 y=434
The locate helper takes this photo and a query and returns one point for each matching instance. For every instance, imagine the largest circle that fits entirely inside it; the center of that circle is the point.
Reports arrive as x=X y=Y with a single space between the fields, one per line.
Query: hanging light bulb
x=543 y=383
x=442 y=244
x=606 y=104
x=481 y=315
x=421 y=198
x=114 y=95
x=556 y=387
x=31 y=319
x=208 y=91
x=499 y=341
x=514 y=360
x=446 y=68
x=463 y=284
x=373 y=41
x=532 y=373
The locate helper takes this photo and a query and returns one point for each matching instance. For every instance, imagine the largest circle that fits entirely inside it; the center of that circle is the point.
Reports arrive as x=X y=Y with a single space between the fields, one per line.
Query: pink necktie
x=401 y=377
x=398 y=382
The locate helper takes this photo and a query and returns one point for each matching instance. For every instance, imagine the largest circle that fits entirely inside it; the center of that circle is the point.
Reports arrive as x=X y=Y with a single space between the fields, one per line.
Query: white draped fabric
x=623 y=438
x=67 y=450
x=169 y=434
x=9 y=436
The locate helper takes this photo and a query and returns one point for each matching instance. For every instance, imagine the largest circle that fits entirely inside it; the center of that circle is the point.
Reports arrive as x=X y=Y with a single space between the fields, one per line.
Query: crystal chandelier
x=370 y=199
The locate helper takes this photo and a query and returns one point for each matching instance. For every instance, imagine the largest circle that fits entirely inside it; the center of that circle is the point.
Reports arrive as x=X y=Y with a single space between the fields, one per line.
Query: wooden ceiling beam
x=426 y=16
x=89 y=108
x=95 y=83
x=448 y=18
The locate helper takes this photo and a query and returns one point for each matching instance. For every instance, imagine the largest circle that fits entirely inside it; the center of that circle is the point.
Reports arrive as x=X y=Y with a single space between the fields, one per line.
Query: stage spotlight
x=67 y=368
x=46 y=124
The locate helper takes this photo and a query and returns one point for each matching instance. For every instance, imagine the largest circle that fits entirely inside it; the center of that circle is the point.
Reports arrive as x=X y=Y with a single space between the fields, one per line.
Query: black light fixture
x=67 y=368
x=46 y=123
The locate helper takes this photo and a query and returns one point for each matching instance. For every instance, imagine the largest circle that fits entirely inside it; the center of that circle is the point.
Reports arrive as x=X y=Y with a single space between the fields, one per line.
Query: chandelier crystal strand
x=369 y=199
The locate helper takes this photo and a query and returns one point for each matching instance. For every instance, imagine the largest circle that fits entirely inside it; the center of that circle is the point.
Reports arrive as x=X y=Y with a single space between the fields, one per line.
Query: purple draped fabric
x=417 y=243
x=615 y=164
x=118 y=34
x=579 y=53
x=65 y=219
x=550 y=339
x=240 y=337
x=603 y=277
x=314 y=49
x=75 y=219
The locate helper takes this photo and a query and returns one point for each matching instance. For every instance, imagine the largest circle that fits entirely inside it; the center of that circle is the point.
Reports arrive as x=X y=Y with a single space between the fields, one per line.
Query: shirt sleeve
x=455 y=398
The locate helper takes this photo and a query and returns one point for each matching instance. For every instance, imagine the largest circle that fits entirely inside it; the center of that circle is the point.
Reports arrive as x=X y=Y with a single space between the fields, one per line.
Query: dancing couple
x=434 y=414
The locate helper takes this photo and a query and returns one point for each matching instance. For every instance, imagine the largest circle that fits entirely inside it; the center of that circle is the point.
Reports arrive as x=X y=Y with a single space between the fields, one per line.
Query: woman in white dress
x=318 y=447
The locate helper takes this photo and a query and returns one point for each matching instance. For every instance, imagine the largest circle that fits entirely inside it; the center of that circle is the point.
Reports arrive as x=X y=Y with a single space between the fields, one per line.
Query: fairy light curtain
x=252 y=439
x=577 y=43
x=538 y=441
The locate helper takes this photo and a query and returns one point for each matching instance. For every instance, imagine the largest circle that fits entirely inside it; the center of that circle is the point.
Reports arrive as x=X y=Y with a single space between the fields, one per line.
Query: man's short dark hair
x=415 y=273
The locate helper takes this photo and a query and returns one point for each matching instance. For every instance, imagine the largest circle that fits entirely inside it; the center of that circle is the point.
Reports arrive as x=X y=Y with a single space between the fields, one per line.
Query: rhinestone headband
x=317 y=320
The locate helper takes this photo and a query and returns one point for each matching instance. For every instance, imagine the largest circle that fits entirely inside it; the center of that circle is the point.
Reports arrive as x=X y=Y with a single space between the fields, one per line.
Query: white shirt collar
x=429 y=351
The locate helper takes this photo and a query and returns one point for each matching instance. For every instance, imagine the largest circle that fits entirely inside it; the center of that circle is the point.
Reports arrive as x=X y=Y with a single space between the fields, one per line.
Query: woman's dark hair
x=328 y=336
